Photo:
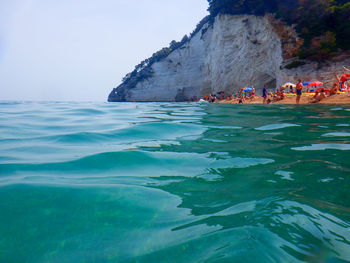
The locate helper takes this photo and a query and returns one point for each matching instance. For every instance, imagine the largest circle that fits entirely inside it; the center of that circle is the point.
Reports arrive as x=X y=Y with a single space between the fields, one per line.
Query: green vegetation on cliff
x=323 y=24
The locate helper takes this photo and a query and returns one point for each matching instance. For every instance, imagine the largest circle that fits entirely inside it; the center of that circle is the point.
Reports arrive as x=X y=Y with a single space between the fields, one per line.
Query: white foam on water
x=337 y=134
x=271 y=181
x=323 y=146
x=273 y=133
x=225 y=127
x=276 y=126
x=326 y=180
x=285 y=175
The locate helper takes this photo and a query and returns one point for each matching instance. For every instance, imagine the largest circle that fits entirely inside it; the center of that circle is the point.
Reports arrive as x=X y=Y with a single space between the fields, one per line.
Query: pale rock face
x=243 y=51
x=234 y=52
x=313 y=71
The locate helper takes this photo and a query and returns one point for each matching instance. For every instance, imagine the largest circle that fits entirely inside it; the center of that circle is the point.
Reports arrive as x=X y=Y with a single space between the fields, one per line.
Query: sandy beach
x=291 y=99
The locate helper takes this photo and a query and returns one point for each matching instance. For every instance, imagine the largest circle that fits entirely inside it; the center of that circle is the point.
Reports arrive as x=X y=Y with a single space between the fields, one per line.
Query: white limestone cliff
x=233 y=52
x=226 y=55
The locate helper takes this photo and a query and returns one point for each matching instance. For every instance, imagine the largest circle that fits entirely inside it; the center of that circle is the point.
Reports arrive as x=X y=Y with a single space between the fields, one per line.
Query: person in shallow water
x=299 y=90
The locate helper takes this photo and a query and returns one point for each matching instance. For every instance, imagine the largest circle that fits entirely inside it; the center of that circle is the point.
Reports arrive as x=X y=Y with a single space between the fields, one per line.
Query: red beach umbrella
x=315 y=83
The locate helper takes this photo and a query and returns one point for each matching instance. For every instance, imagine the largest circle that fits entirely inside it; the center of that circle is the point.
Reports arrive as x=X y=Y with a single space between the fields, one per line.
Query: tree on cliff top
x=234 y=7
x=313 y=17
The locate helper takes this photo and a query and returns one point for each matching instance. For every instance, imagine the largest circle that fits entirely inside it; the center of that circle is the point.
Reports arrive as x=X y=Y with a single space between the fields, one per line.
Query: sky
x=78 y=50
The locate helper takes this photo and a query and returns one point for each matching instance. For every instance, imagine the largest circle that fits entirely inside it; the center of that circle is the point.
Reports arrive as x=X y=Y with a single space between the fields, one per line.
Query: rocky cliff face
x=227 y=55
x=232 y=52
x=311 y=71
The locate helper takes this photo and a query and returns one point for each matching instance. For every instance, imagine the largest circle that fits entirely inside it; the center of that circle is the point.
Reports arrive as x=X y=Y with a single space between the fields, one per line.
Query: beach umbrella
x=247 y=89
x=288 y=84
x=306 y=83
x=315 y=83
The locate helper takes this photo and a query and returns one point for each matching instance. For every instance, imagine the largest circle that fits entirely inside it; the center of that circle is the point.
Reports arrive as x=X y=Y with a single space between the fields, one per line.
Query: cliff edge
x=226 y=54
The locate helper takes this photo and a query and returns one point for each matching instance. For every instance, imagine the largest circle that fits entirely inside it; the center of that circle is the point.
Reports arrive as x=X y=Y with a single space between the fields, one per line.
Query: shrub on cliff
x=234 y=7
x=295 y=64
x=313 y=18
x=324 y=26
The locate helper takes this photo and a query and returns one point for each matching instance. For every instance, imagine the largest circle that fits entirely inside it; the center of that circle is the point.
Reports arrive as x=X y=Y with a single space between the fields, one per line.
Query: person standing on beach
x=252 y=93
x=299 y=90
x=264 y=94
x=241 y=96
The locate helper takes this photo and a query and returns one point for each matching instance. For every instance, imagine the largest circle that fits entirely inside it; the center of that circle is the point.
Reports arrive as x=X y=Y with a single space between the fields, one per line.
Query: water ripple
x=173 y=182
x=271 y=127
x=323 y=146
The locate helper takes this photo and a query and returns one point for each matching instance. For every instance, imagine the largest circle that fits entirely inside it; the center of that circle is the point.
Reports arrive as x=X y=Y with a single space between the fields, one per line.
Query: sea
x=174 y=182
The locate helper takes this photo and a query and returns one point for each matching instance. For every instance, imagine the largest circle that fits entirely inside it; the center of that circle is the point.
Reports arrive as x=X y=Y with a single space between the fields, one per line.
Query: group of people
x=242 y=96
x=319 y=94
x=280 y=93
x=247 y=94
x=216 y=97
x=341 y=80
x=339 y=85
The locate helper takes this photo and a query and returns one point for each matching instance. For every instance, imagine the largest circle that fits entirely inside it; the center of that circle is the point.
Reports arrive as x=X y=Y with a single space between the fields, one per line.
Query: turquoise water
x=161 y=182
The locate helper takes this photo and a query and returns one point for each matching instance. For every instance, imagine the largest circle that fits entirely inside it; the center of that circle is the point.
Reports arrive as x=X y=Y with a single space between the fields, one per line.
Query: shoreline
x=291 y=100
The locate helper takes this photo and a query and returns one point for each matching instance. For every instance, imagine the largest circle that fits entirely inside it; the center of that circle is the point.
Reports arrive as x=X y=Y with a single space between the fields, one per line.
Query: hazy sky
x=77 y=50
